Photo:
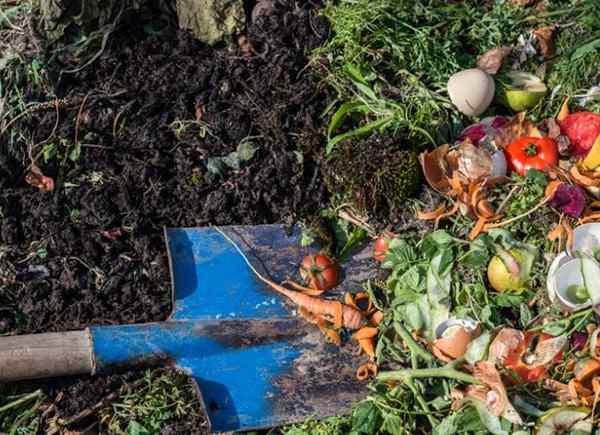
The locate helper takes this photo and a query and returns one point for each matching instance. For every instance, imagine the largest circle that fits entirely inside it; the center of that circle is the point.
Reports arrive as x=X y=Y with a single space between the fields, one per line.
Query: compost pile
x=463 y=138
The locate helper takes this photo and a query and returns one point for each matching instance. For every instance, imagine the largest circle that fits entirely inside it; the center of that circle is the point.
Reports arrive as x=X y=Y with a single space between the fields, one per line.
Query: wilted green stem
x=441 y=372
x=22 y=400
x=566 y=319
x=414 y=347
x=432 y=420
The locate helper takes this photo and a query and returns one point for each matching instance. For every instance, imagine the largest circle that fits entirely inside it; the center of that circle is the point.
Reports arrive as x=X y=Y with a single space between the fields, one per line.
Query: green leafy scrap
x=218 y=165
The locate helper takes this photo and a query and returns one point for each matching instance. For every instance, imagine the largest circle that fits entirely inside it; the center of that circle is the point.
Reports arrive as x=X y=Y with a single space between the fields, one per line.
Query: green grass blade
x=340 y=115
x=359 y=132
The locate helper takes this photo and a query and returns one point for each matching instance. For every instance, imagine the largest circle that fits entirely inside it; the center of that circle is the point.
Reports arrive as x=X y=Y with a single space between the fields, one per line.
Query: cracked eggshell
x=454 y=336
x=471 y=91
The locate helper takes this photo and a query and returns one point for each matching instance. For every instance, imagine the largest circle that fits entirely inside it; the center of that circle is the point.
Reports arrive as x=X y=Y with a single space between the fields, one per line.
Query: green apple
x=522 y=90
x=567 y=419
x=501 y=278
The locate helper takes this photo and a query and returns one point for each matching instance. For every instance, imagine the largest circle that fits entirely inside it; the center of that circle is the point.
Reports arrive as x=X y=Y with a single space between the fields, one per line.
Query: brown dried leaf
x=491 y=61
x=545 y=39
x=36 y=179
x=517 y=127
x=522 y=2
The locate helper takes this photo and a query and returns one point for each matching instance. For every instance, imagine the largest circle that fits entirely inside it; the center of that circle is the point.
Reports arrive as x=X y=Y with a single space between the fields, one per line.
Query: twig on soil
x=78 y=121
x=347 y=216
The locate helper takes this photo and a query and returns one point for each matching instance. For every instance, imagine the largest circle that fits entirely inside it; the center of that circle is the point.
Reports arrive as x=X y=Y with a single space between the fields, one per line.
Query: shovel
x=256 y=364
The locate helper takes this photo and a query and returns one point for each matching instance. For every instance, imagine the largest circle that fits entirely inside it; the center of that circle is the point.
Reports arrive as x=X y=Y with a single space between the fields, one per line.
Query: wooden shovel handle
x=46 y=355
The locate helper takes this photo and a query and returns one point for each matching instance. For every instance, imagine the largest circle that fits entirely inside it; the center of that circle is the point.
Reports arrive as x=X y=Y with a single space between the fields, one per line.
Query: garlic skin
x=471 y=91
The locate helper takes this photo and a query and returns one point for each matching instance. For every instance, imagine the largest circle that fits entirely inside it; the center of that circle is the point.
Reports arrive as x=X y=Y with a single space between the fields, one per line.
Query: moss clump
x=374 y=174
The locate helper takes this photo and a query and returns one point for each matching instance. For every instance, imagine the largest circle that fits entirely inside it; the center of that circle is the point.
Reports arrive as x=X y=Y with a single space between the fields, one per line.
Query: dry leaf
x=517 y=127
x=35 y=178
x=545 y=39
x=522 y=2
x=491 y=61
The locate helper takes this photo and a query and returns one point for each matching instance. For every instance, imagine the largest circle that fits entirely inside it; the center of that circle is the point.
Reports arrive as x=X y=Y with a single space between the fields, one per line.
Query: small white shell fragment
x=471 y=91
x=499 y=164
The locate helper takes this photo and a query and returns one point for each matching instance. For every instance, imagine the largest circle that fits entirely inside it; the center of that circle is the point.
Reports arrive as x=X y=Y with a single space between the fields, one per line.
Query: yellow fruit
x=501 y=279
x=592 y=160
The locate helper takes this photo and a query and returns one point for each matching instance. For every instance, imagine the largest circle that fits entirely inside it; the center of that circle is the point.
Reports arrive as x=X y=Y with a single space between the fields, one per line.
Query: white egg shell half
x=471 y=91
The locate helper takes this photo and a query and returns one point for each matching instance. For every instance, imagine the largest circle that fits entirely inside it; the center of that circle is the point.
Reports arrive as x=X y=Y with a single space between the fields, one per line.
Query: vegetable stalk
x=407 y=375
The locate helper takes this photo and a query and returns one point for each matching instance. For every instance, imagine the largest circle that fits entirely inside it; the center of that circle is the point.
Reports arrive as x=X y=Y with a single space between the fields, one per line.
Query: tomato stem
x=531 y=150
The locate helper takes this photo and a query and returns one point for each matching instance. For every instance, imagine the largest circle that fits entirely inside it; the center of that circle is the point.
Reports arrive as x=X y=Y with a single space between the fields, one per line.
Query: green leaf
x=392 y=424
x=557 y=328
x=490 y=421
x=134 y=428
x=524 y=315
x=366 y=90
x=537 y=177
x=413 y=317
x=215 y=165
x=340 y=115
x=245 y=151
x=74 y=152
x=232 y=160
x=507 y=300
x=449 y=425
x=478 y=348
x=365 y=418
x=307 y=237
x=586 y=49
x=355 y=73
x=366 y=129
x=478 y=254
x=356 y=238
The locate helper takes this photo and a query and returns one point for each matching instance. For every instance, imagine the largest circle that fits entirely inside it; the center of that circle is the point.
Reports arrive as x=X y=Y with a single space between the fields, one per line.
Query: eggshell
x=471 y=91
x=454 y=342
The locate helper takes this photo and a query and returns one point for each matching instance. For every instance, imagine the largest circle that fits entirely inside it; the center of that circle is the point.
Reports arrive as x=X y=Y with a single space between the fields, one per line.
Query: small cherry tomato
x=517 y=360
x=382 y=244
x=531 y=153
x=319 y=272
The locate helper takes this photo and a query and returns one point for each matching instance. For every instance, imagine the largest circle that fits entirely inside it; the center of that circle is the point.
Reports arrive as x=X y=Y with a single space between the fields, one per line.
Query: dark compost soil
x=137 y=174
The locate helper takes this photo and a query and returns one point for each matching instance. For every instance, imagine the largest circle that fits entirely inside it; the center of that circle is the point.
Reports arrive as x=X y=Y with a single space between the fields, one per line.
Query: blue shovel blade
x=256 y=363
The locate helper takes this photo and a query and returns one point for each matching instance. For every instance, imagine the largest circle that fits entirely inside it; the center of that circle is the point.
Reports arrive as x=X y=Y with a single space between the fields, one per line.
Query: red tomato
x=381 y=246
x=531 y=153
x=319 y=272
x=516 y=360
x=582 y=129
